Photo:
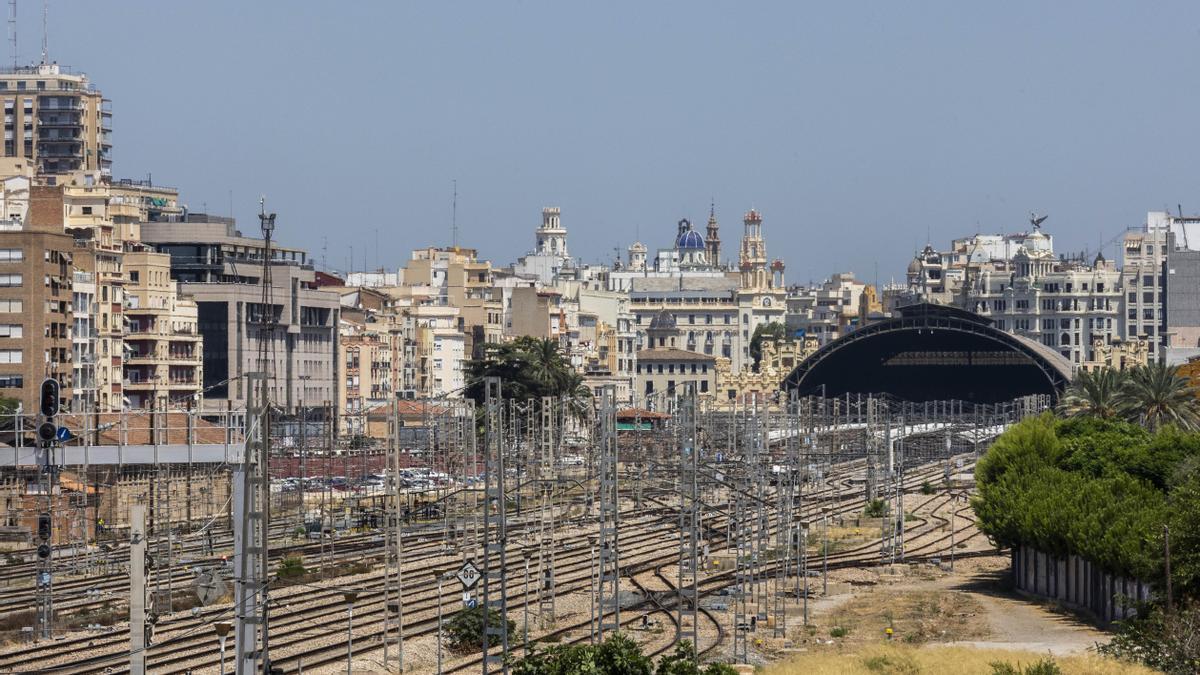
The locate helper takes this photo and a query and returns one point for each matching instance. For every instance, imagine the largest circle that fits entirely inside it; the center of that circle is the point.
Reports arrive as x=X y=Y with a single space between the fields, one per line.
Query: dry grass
x=913 y=616
x=906 y=660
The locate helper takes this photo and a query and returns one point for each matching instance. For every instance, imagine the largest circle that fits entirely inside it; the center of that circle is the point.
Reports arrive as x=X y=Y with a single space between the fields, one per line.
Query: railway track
x=179 y=640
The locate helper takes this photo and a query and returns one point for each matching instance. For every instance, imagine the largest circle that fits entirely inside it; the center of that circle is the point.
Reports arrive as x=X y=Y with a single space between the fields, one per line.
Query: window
x=10 y=355
x=704 y=386
x=11 y=255
x=1132 y=296
x=10 y=330
x=1148 y=280
x=13 y=306
x=1148 y=296
x=12 y=381
x=10 y=280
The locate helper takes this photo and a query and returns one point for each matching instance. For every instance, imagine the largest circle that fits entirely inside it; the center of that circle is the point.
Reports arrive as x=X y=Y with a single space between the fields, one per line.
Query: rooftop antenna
x=324 y=253
x=454 y=216
x=12 y=30
x=1179 y=207
x=45 y=29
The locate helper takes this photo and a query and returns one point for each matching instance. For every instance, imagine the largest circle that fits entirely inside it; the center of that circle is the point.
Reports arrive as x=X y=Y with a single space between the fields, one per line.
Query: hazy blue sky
x=856 y=128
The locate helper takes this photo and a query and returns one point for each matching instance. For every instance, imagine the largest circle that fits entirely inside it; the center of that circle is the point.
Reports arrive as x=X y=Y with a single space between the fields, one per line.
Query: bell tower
x=753 y=258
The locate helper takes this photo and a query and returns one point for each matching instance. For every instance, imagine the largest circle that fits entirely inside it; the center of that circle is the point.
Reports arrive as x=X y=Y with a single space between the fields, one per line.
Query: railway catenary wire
x=312 y=657
x=349 y=547
x=840 y=507
x=711 y=581
x=573 y=548
x=367 y=542
x=78 y=594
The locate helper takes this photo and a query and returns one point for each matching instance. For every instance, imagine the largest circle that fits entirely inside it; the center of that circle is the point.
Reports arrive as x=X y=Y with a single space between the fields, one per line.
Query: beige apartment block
x=163 y=349
x=367 y=359
x=56 y=120
x=35 y=308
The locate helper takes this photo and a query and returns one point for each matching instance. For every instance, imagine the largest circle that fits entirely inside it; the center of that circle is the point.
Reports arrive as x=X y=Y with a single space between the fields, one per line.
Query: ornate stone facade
x=1119 y=354
x=779 y=358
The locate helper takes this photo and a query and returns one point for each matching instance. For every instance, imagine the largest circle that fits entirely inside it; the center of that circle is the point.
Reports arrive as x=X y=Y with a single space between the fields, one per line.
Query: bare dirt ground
x=1016 y=622
x=927 y=606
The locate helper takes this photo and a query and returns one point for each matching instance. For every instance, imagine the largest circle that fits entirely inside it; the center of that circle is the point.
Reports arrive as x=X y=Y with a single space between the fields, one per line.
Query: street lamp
x=222 y=629
x=350 y=597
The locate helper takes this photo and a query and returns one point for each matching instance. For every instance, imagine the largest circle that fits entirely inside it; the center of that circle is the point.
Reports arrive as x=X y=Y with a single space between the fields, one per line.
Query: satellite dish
x=209 y=588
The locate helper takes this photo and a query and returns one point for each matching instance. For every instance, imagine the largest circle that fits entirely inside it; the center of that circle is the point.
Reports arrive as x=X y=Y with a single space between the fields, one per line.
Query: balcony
x=45 y=152
x=59 y=103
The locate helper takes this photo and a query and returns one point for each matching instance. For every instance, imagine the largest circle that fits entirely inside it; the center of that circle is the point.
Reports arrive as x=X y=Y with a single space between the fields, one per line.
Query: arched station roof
x=932 y=352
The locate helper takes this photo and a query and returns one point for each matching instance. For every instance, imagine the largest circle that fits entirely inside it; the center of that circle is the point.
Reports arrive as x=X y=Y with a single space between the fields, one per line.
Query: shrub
x=839 y=632
x=876 y=508
x=1166 y=641
x=291 y=567
x=617 y=655
x=465 y=628
x=1045 y=666
x=927 y=488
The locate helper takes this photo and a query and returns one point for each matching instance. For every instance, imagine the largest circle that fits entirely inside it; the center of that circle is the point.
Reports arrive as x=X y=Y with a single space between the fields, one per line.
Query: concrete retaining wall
x=1078 y=583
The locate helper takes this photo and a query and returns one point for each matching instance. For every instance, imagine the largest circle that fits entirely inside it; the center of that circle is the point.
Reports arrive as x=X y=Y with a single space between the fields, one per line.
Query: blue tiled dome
x=689 y=239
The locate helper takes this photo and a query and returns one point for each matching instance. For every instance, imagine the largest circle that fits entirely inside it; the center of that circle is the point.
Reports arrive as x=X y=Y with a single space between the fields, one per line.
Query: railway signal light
x=44 y=526
x=43 y=551
x=47 y=431
x=49 y=398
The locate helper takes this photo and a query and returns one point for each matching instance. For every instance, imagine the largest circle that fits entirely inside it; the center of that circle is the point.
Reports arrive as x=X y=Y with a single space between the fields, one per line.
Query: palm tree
x=1156 y=394
x=1094 y=394
x=529 y=368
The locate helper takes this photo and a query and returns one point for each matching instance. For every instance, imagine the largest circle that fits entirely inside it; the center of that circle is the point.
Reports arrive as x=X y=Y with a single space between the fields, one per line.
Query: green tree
x=774 y=331
x=529 y=368
x=1094 y=393
x=1156 y=394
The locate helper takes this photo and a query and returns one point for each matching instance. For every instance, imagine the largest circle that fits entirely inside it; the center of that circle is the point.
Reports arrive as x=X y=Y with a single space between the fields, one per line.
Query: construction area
x=268 y=542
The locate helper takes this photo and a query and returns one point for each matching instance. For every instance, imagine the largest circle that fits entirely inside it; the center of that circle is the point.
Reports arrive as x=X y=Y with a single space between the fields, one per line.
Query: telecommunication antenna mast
x=12 y=30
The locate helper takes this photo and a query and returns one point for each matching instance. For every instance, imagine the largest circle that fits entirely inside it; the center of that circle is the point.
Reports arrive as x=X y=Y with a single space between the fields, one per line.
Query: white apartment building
x=1144 y=257
x=1064 y=304
x=83 y=341
x=827 y=310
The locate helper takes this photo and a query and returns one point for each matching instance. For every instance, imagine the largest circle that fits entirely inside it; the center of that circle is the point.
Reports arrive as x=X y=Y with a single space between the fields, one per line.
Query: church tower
x=552 y=236
x=713 y=240
x=753 y=257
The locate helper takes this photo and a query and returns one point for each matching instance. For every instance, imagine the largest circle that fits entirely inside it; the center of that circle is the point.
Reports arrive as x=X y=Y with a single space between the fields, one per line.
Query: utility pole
x=610 y=550
x=495 y=574
x=251 y=503
x=137 y=589
x=547 y=483
x=689 y=515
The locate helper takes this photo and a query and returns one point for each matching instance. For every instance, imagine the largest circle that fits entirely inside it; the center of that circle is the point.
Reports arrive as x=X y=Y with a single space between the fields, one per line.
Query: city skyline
x=928 y=134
